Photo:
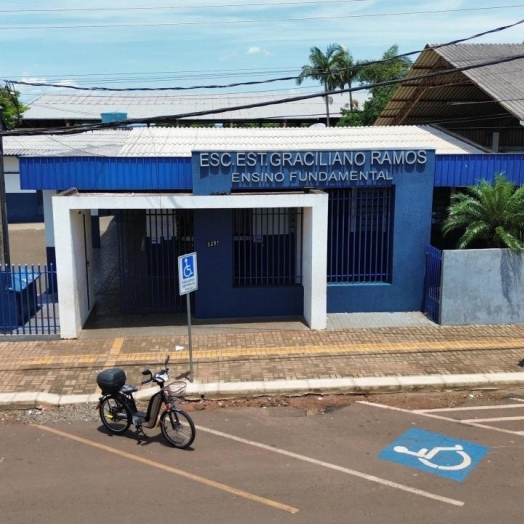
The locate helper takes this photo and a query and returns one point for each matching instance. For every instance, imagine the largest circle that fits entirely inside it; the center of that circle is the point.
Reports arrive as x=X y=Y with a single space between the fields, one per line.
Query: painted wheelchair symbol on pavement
x=436 y=454
x=425 y=456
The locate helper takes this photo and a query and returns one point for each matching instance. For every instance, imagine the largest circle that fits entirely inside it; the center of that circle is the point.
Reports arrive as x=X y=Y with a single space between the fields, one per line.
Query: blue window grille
x=267 y=246
x=360 y=230
x=28 y=301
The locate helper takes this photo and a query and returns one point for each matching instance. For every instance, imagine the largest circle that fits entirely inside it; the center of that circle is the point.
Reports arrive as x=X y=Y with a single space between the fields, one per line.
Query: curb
x=347 y=386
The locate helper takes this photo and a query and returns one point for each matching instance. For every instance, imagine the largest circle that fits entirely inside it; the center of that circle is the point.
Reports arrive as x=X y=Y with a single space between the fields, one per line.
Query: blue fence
x=28 y=301
x=432 y=285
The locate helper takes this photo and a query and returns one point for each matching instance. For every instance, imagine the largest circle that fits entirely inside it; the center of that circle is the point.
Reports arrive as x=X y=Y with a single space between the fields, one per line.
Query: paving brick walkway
x=69 y=367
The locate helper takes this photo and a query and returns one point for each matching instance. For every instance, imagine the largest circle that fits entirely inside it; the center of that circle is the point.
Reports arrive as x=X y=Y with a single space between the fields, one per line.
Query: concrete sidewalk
x=257 y=359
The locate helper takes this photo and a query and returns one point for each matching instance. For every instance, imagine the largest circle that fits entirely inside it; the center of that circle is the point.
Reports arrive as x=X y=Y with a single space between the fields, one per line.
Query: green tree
x=390 y=67
x=488 y=215
x=350 y=70
x=325 y=68
x=13 y=108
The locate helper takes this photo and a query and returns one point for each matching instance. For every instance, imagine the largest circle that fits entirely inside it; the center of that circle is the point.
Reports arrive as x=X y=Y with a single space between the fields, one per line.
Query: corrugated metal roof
x=180 y=142
x=465 y=96
x=89 y=107
x=504 y=82
x=90 y=143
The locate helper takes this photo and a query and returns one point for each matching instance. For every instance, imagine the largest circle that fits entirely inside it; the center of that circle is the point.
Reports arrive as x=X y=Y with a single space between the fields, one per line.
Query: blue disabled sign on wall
x=434 y=453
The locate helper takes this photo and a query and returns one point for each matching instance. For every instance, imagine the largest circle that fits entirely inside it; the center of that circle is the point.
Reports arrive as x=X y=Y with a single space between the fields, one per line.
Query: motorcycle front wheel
x=115 y=416
x=177 y=428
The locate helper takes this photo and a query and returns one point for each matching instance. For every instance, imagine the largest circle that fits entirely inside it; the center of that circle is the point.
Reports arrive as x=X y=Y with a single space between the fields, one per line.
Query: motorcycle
x=118 y=410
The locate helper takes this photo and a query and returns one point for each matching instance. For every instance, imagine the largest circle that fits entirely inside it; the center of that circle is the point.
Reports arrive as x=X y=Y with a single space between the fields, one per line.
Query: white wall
x=12 y=176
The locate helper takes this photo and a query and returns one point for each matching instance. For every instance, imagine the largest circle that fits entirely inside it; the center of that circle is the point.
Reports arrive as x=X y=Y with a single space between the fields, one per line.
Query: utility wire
x=262 y=20
x=180 y=7
x=259 y=82
x=175 y=117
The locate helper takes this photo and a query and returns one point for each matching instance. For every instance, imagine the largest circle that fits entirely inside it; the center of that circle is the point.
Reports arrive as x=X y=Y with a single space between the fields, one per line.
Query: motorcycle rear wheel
x=114 y=414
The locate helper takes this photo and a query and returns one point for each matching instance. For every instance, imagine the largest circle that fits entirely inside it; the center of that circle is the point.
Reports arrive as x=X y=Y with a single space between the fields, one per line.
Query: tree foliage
x=488 y=215
x=391 y=67
x=13 y=108
x=325 y=68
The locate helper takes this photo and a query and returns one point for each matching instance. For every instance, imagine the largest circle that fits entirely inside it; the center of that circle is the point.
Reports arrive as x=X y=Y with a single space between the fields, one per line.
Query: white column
x=48 y=218
x=315 y=262
x=74 y=275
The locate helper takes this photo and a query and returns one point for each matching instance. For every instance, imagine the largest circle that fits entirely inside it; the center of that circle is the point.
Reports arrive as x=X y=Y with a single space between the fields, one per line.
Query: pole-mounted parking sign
x=188 y=282
x=187 y=273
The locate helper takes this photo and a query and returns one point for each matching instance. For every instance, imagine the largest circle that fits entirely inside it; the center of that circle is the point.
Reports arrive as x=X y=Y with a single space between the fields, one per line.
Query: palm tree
x=349 y=72
x=325 y=68
x=491 y=215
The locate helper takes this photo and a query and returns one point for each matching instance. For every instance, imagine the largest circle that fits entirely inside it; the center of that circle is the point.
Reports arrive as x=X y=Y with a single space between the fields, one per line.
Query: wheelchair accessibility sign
x=187 y=273
x=437 y=454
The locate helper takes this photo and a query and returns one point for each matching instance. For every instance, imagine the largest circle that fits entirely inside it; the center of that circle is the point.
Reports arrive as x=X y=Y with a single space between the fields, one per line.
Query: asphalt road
x=273 y=465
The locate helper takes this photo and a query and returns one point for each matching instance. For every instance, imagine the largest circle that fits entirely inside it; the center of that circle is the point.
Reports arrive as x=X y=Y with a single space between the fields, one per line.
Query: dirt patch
x=318 y=404
x=306 y=405
x=310 y=404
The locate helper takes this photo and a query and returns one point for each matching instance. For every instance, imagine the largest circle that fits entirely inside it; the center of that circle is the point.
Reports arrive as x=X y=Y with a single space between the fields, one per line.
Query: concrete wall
x=482 y=286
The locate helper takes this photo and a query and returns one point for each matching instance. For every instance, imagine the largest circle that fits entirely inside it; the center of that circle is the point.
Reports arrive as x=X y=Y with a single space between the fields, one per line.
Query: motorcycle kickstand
x=139 y=431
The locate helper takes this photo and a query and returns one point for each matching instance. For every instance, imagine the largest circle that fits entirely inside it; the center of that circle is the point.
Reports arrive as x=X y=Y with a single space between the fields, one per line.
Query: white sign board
x=187 y=273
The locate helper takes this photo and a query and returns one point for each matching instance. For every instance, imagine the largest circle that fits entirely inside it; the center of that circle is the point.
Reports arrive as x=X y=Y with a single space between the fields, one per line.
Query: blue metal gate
x=28 y=301
x=149 y=244
x=432 y=284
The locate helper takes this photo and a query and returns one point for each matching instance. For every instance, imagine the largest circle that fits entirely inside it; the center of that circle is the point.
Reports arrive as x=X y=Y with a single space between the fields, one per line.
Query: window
x=267 y=246
x=360 y=228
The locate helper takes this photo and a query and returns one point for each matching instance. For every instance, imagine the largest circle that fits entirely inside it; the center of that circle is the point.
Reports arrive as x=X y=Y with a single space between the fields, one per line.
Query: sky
x=168 y=43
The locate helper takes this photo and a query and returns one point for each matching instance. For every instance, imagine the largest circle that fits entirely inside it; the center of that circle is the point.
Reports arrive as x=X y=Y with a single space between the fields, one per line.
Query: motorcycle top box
x=111 y=380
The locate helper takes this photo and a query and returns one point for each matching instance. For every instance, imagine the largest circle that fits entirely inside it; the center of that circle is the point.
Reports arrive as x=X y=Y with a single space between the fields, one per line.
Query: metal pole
x=188 y=305
x=5 y=258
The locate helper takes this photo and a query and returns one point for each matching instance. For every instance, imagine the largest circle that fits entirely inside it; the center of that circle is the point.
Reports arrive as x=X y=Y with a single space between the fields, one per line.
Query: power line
x=259 y=82
x=262 y=20
x=179 y=8
x=171 y=118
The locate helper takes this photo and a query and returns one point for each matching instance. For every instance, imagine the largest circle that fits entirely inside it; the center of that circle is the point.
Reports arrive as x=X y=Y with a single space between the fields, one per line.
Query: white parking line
x=495 y=419
x=425 y=413
x=340 y=469
x=469 y=408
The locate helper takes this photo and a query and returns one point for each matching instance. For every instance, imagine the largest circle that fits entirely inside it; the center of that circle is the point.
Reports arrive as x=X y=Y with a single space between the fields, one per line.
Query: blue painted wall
x=105 y=173
x=216 y=297
x=412 y=229
x=468 y=170
x=149 y=173
x=23 y=207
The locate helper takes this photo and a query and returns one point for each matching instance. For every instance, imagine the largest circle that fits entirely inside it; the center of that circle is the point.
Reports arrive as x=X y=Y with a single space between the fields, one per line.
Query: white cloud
x=258 y=51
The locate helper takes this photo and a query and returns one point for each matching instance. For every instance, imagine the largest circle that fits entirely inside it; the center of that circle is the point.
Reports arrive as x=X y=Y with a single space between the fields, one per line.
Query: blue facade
x=150 y=173
x=105 y=173
x=216 y=296
x=412 y=175
x=468 y=170
x=24 y=207
x=412 y=230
